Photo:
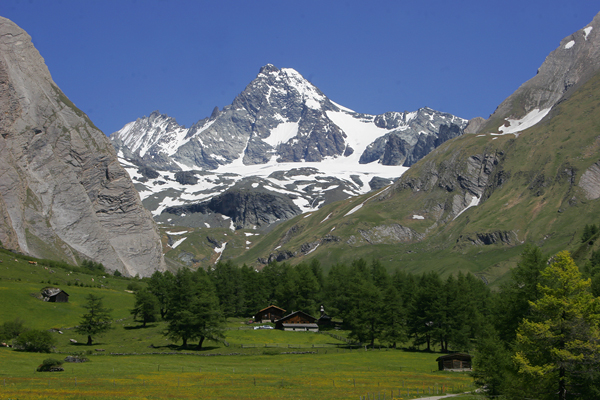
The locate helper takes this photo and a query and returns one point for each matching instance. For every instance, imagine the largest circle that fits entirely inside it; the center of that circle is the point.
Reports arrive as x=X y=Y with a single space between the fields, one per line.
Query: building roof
x=50 y=291
x=302 y=313
x=271 y=306
x=454 y=356
x=312 y=326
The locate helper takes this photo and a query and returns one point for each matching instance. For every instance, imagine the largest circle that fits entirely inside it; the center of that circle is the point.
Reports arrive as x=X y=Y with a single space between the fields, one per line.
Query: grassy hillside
x=21 y=282
x=532 y=196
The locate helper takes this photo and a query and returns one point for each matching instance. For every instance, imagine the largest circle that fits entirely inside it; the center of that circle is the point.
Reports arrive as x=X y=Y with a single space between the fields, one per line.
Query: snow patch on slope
x=310 y=94
x=474 y=203
x=220 y=251
x=518 y=125
x=282 y=133
x=177 y=243
x=360 y=132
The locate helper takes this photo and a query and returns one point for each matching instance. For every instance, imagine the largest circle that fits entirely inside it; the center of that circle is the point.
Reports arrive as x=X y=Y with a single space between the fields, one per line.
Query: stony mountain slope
x=63 y=194
x=573 y=63
x=281 y=138
x=473 y=202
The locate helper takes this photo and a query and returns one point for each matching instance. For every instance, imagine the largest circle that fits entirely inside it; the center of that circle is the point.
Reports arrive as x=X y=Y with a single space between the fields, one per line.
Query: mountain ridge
x=279 y=124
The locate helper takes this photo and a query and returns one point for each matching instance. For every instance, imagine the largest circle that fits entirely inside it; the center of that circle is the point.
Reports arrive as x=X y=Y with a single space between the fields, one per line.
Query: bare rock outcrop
x=63 y=194
x=509 y=238
x=590 y=182
x=393 y=233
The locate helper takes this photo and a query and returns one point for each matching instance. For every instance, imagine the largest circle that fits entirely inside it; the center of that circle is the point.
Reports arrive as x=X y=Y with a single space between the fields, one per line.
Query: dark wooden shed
x=324 y=320
x=454 y=361
x=269 y=314
x=55 y=295
x=298 y=321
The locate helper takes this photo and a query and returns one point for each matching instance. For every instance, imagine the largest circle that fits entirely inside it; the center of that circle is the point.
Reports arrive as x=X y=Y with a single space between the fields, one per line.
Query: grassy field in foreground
x=348 y=375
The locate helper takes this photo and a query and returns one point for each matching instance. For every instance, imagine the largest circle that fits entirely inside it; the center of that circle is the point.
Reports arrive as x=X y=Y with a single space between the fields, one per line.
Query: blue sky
x=120 y=60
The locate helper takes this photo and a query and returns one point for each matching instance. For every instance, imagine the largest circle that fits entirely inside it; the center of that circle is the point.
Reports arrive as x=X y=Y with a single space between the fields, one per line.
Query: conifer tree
x=161 y=285
x=559 y=346
x=146 y=307
x=97 y=319
x=393 y=318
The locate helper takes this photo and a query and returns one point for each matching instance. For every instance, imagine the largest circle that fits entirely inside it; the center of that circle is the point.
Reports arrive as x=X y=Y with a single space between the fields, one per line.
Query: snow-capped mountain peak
x=279 y=124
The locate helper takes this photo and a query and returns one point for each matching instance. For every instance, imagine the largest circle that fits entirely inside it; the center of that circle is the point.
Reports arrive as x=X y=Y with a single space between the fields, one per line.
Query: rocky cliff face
x=63 y=194
x=460 y=182
x=246 y=208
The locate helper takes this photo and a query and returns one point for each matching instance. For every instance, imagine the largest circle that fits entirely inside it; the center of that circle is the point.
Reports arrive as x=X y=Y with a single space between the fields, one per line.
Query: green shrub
x=93 y=266
x=134 y=286
x=35 y=340
x=50 y=364
x=11 y=329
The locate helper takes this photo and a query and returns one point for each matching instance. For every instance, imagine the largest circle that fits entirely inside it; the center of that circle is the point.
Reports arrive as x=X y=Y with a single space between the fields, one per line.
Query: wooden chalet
x=454 y=361
x=55 y=295
x=269 y=314
x=297 y=321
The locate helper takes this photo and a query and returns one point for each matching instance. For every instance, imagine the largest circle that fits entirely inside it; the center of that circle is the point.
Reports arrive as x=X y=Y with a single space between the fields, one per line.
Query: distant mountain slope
x=473 y=202
x=573 y=63
x=63 y=194
x=280 y=136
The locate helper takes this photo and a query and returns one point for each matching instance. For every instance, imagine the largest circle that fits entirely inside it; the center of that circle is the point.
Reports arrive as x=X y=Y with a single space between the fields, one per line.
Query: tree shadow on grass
x=129 y=328
x=189 y=347
x=89 y=346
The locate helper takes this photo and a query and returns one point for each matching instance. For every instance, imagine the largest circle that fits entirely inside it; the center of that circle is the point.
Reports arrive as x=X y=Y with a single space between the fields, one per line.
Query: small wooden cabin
x=298 y=321
x=55 y=295
x=269 y=314
x=454 y=361
x=324 y=320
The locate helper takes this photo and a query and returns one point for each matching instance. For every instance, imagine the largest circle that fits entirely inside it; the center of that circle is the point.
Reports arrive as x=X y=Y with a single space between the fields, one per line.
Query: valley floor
x=332 y=375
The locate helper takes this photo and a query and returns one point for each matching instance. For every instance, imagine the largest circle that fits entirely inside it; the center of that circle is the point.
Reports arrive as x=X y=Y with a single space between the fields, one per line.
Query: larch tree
x=97 y=319
x=558 y=348
x=146 y=307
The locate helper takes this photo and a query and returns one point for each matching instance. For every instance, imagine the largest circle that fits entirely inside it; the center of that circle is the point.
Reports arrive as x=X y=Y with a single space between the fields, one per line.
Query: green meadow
x=341 y=375
x=140 y=363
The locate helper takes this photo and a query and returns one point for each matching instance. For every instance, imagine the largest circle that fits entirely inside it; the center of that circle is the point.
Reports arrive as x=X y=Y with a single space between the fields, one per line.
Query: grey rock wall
x=63 y=194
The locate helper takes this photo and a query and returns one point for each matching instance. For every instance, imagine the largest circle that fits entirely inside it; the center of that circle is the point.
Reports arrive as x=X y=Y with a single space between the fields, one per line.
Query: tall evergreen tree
x=255 y=290
x=559 y=347
x=492 y=364
x=226 y=278
x=194 y=309
x=336 y=291
x=96 y=320
x=364 y=316
x=427 y=316
x=180 y=318
x=161 y=285
x=379 y=275
x=394 y=318
x=513 y=303
x=209 y=321
x=307 y=289
x=146 y=307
